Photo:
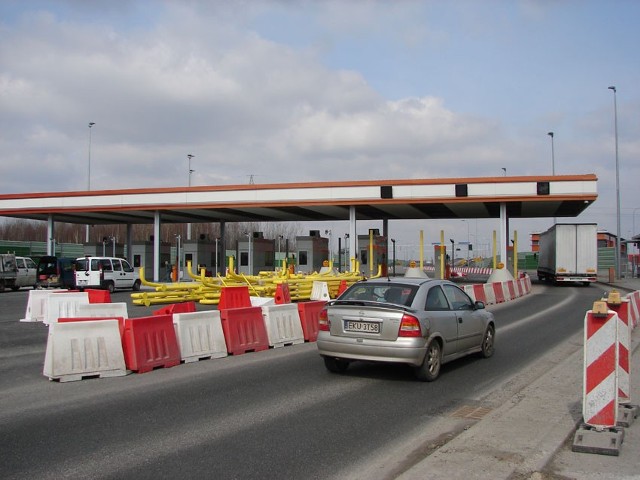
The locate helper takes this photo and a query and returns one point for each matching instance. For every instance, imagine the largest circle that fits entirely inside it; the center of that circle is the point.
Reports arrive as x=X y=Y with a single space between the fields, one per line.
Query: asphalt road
x=272 y=414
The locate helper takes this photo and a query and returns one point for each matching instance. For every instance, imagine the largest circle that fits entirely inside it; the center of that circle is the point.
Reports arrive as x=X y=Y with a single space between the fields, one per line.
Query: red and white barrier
x=600 y=386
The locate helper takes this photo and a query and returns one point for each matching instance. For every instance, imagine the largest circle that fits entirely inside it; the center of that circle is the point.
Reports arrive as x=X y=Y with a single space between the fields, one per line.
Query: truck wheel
x=1 y=287
x=15 y=288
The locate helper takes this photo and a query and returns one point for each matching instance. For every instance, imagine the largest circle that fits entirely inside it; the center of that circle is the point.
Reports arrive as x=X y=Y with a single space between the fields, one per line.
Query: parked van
x=108 y=273
x=27 y=276
x=56 y=272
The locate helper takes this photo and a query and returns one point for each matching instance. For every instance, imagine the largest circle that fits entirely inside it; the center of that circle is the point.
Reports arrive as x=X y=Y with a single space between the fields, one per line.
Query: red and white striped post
x=600 y=432
x=626 y=411
x=600 y=387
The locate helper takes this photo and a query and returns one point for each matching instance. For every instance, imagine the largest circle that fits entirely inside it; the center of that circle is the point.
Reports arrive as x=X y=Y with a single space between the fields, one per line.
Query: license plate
x=364 y=327
x=82 y=282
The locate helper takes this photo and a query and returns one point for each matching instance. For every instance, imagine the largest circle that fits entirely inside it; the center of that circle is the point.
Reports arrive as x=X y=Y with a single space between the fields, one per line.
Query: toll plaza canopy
x=482 y=197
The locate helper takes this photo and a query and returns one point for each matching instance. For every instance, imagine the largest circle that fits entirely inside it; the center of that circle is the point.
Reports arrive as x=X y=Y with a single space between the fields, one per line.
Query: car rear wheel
x=488 y=342
x=335 y=365
x=110 y=286
x=136 y=286
x=430 y=368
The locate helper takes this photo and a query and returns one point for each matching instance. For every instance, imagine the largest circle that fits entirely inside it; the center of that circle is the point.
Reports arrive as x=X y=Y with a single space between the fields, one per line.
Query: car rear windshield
x=382 y=293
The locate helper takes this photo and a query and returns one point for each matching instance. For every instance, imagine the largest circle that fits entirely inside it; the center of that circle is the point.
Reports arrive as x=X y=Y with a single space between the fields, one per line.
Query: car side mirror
x=479 y=305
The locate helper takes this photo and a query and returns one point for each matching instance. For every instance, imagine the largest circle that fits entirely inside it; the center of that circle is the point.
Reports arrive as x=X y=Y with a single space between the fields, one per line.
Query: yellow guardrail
x=206 y=290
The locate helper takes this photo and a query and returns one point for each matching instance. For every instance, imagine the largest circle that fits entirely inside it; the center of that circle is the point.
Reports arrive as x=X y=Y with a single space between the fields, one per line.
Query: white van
x=108 y=273
x=27 y=276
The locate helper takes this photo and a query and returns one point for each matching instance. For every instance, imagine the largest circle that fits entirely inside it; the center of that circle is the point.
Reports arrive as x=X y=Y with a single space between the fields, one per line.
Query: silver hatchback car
x=417 y=321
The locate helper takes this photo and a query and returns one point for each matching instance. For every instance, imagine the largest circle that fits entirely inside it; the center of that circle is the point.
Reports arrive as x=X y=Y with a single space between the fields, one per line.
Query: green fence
x=35 y=250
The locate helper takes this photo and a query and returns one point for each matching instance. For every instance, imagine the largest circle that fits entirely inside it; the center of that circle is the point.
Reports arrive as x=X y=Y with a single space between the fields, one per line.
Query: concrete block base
x=627 y=413
x=603 y=442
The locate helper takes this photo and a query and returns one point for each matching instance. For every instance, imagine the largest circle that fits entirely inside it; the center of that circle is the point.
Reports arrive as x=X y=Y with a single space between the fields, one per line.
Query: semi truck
x=569 y=253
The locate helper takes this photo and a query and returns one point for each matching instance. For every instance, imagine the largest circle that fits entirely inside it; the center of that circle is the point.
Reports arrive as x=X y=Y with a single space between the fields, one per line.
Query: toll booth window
x=363 y=257
x=136 y=260
x=269 y=258
x=244 y=259
x=302 y=258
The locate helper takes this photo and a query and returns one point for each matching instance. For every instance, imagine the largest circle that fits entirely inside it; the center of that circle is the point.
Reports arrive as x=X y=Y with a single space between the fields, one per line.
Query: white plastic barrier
x=320 y=291
x=200 y=335
x=117 y=309
x=283 y=324
x=490 y=293
x=77 y=350
x=260 y=301
x=64 y=305
x=37 y=305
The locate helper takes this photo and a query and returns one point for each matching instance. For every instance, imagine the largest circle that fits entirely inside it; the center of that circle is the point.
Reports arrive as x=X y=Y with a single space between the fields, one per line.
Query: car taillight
x=324 y=324
x=409 y=327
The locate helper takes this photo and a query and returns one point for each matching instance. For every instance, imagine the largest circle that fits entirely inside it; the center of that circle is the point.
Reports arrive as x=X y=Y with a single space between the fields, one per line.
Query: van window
x=105 y=265
x=20 y=262
x=116 y=266
x=126 y=266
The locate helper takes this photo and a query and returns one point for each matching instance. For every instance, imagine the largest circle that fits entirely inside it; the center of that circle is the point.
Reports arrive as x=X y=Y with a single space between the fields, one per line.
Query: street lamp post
x=189 y=183
x=615 y=117
x=553 y=156
x=91 y=124
x=553 y=163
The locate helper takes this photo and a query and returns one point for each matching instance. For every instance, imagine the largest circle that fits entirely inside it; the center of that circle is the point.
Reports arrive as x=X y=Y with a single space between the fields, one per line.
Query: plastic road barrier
x=320 y=291
x=282 y=323
x=234 y=297
x=183 y=307
x=117 y=309
x=498 y=292
x=78 y=350
x=489 y=293
x=98 y=296
x=282 y=294
x=510 y=289
x=149 y=343
x=309 y=318
x=244 y=330
x=37 y=305
x=200 y=335
x=63 y=304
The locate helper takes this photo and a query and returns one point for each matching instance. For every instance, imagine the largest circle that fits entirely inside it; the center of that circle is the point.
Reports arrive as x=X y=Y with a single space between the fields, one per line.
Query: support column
x=51 y=241
x=129 y=243
x=353 y=235
x=222 y=257
x=156 y=246
x=385 y=234
x=504 y=234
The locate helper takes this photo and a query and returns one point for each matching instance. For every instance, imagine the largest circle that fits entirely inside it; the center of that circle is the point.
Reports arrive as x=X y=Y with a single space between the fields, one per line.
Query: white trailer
x=569 y=253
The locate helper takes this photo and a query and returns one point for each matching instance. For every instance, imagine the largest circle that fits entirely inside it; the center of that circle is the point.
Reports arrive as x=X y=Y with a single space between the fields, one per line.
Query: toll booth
x=256 y=254
x=202 y=253
x=311 y=251
x=369 y=266
x=142 y=256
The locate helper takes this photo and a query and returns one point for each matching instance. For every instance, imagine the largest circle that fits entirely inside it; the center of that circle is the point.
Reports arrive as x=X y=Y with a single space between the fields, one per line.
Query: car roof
x=403 y=280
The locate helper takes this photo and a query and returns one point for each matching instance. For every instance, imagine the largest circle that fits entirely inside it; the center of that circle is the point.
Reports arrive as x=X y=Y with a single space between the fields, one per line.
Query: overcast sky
x=295 y=91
